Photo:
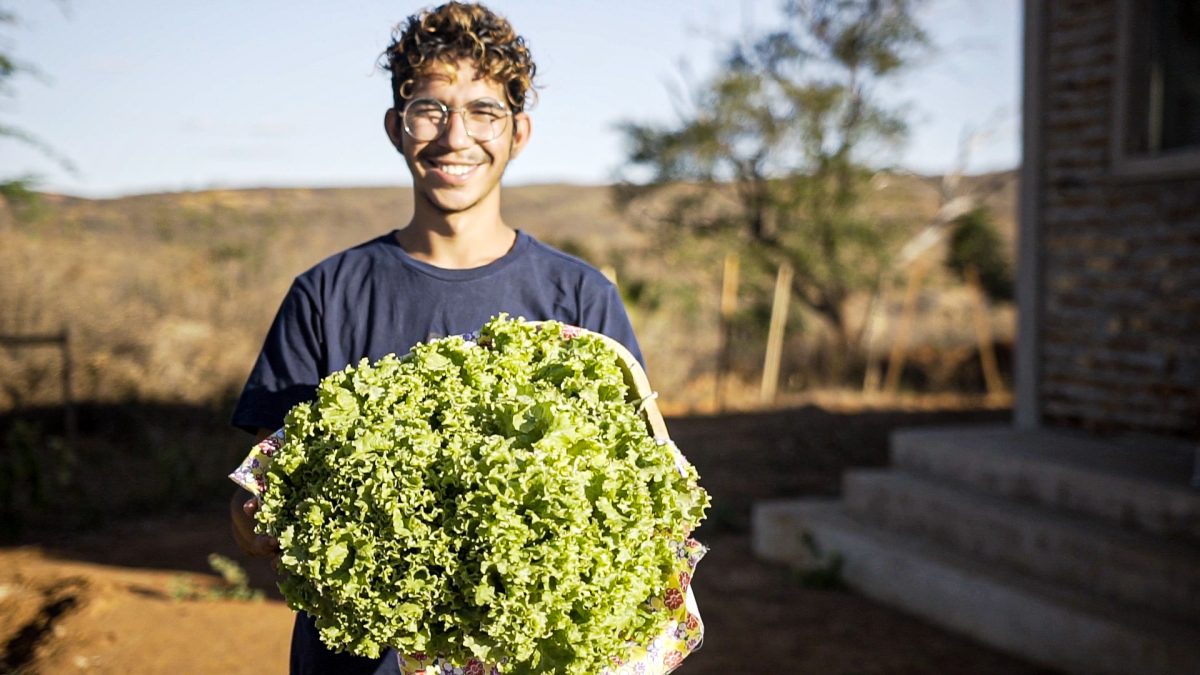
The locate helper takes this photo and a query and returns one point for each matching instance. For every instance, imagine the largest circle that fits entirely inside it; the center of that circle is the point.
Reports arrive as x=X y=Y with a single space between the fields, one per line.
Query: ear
x=522 y=130
x=391 y=124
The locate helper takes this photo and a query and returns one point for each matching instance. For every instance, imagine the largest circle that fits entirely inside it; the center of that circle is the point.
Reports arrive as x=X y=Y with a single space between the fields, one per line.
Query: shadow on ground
x=759 y=617
x=145 y=486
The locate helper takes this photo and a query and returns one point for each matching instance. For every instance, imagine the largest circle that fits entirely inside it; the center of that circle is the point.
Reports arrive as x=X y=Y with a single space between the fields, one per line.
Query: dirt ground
x=120 y=599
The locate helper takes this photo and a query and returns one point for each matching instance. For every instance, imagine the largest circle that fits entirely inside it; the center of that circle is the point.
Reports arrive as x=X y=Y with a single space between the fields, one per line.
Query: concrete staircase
x=1080 y=554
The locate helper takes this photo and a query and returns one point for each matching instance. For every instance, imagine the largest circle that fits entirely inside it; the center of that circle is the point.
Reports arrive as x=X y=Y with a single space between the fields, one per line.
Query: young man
x=460 y=80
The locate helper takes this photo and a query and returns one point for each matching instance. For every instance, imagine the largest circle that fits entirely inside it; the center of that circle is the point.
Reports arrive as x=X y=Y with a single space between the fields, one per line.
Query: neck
x=459 y=240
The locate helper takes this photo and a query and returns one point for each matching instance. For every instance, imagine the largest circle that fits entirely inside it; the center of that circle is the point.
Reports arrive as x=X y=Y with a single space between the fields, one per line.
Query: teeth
x=456 y=169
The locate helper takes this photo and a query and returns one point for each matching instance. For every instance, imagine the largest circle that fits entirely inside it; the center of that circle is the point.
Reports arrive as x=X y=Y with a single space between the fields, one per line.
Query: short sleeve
x=604 y=313
x=289 y=366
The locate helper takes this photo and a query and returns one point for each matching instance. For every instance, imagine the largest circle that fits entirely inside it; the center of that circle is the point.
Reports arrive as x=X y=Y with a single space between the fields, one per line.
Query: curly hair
x=439 y=37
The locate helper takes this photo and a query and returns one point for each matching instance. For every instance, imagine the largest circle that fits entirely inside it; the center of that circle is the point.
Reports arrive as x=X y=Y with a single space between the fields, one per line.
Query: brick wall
x=1119 y=341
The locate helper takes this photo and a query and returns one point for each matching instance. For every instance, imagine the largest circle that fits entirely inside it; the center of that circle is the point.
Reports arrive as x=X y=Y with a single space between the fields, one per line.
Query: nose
x=455 y=136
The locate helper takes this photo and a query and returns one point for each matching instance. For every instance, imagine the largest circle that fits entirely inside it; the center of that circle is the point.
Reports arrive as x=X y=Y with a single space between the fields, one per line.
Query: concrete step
x=1090 y=555
x=1038 y=621
x=1141 y=484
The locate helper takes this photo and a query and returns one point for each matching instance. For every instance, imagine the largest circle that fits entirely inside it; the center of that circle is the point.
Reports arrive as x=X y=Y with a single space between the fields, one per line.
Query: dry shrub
x=169 y=296
x=151 y=320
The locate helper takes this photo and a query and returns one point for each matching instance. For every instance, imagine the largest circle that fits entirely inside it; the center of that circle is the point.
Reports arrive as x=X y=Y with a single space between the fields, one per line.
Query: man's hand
x=242 y=507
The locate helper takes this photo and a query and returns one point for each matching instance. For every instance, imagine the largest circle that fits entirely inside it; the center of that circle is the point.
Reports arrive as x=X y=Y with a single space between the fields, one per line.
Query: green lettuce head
x=502 y=500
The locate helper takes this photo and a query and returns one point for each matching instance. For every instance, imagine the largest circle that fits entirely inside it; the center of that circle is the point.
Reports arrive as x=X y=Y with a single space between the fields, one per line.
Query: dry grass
x=169 y=295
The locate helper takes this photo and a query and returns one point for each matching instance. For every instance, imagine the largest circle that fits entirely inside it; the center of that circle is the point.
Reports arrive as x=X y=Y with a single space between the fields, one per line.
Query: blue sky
x=150 y=96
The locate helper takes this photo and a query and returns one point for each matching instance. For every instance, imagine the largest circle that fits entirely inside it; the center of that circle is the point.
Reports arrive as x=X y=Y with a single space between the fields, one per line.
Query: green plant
x=772 y=155
x=823 y=571
x=975 y=243
x=235 y=582
x=182 y=587
x=18 y=189
x=503 y=501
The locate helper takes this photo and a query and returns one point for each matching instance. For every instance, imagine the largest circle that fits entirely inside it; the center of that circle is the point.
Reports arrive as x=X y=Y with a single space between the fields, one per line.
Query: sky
x=151 y=96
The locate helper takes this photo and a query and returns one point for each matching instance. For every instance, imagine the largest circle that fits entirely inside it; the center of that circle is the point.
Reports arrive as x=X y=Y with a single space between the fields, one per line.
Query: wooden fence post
x=899 y=351
x=779 y=311
x=63 y=340
x=729 y=289
x=70 y=420
x=877 y=305
x=983 y=334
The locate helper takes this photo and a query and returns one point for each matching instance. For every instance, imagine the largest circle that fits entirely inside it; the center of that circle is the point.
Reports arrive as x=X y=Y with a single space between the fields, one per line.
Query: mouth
x=452 y=172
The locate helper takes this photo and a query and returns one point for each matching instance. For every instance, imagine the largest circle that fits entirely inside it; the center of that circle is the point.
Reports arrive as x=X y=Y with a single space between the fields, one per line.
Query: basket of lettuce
x=506 y=502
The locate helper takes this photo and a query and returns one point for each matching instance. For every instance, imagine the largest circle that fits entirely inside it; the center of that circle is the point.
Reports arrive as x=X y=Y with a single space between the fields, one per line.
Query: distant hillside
x=170 y=294
x=558 y=213
x=345 y=215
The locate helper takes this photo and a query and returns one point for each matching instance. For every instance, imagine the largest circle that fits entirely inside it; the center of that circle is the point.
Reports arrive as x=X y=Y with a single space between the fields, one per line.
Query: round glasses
x=427 y=118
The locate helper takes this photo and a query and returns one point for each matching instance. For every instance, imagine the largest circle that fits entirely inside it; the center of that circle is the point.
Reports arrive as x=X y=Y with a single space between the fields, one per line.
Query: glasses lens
x=485 y=120
x=424 y=119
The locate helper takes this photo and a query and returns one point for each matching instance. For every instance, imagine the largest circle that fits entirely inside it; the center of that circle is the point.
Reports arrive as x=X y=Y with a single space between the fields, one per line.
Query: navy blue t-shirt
x=375 y=299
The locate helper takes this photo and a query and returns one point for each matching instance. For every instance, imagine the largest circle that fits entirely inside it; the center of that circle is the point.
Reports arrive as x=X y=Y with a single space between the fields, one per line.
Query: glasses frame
x=461 y=111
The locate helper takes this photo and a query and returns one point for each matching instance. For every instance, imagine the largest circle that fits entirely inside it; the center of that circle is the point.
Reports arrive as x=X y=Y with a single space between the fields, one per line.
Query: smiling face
x=454 y=173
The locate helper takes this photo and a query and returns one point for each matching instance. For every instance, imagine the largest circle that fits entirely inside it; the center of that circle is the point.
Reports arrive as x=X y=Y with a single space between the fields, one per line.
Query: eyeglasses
x=427 y=118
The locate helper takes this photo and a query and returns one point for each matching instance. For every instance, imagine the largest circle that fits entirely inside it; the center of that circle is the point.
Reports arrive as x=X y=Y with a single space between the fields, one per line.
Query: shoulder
x=565 y=266
x=351 y=263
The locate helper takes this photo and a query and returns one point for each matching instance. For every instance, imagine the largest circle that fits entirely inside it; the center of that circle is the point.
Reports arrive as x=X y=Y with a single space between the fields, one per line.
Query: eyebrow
x=486 y=100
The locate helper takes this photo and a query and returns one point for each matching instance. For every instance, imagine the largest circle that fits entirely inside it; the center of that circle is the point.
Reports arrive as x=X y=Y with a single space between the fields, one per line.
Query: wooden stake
x=983 y=334
x=63 y=340
x=779 y=310
x=900 y=340
x=878 y=305
x=70 y=419
x=729 y=289
x=729 y=286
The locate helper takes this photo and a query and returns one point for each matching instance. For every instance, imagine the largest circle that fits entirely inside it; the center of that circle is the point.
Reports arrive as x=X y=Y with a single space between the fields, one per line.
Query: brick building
x=1071 y=536
x=1110 y=221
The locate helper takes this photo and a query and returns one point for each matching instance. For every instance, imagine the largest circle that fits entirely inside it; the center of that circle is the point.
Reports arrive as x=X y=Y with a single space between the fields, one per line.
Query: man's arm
x=241 y=512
